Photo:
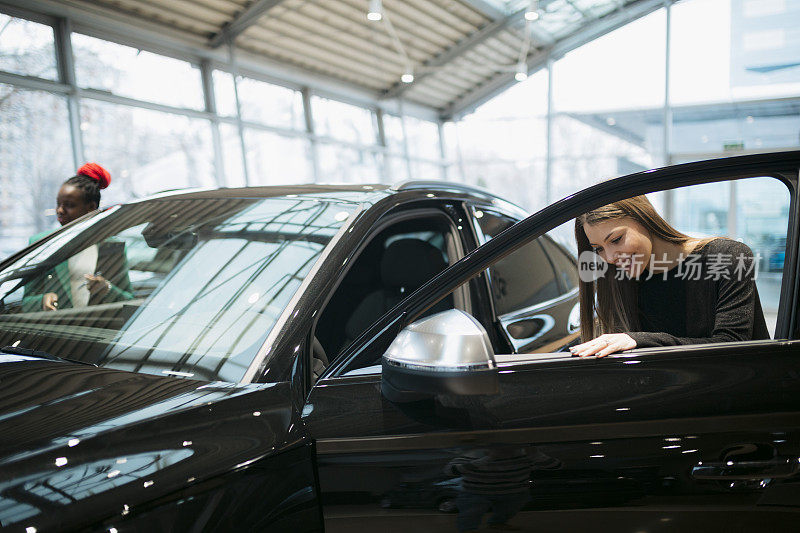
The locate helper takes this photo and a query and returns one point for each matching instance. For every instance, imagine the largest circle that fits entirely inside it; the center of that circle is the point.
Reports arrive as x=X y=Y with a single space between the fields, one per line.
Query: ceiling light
x=408 y=76
x=532 y=13
x=375 y=10
x=522 y=72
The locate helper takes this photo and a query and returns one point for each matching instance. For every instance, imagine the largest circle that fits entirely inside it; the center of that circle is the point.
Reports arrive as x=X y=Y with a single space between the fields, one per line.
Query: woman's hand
x=97 y=284
x=604 y=345
x=50 y=301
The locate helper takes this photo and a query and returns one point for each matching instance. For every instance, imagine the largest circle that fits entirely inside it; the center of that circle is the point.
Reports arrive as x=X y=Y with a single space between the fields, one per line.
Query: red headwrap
x=95 y=171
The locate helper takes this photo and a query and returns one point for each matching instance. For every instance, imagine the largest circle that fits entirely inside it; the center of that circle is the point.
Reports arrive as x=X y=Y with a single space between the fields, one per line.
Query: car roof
x=356 y=192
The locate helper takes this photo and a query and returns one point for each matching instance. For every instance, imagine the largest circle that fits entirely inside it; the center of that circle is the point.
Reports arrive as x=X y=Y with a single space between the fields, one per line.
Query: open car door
x=447 y=434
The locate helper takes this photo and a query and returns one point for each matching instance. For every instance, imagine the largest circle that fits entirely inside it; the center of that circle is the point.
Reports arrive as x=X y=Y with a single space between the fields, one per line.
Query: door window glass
x=394 y=264
x=564 y=264
x=752 y=218
x=754 y=211
x=522 y=279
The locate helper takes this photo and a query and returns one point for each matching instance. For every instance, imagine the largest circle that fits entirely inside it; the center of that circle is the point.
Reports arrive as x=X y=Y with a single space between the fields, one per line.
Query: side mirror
x=446 y=353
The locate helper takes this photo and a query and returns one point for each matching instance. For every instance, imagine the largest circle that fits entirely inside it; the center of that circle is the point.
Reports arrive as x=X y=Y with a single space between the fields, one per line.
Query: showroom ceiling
x=460 y=52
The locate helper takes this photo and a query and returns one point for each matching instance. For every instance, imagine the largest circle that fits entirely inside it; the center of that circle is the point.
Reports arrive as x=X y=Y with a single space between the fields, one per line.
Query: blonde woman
x=662 y=287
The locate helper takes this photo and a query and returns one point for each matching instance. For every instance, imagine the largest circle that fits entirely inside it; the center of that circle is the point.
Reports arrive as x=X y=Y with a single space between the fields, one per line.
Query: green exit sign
x=733 y=146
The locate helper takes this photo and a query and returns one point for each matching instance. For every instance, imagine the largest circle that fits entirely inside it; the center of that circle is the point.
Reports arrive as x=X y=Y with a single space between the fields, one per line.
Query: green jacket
x=111 y=262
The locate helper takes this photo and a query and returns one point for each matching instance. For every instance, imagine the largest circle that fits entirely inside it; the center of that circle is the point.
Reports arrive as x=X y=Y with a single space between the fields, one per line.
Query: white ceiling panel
x=459 y=50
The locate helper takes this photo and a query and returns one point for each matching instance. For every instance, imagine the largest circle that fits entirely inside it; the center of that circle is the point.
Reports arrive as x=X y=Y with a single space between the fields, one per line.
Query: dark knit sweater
x=721 y=306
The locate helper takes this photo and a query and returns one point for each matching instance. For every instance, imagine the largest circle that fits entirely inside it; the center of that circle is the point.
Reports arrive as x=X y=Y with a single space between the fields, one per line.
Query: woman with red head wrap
x=80 y=194
x=96 y=274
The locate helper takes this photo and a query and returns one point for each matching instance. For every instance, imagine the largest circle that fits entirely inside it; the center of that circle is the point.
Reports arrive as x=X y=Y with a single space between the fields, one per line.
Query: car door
x=702 y=437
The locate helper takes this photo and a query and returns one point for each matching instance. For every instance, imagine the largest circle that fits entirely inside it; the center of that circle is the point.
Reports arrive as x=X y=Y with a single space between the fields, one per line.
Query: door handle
x=778 y=467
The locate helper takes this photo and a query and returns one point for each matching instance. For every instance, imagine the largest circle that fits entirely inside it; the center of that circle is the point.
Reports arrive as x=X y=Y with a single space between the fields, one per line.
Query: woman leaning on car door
x=659 y=287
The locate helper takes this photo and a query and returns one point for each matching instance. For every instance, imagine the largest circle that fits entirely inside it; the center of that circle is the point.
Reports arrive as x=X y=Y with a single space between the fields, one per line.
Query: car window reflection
x=208 y=280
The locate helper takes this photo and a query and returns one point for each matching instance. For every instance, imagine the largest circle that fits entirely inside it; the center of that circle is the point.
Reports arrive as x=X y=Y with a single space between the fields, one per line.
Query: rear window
x=565 y=265
x=522 y=279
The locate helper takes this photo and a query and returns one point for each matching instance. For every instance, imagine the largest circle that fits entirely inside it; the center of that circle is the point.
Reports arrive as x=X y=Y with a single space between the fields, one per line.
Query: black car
x=289 y=358
x=222 y=295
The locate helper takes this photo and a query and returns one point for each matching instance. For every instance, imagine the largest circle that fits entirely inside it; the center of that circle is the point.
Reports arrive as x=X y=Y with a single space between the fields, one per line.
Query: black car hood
x=78 y=440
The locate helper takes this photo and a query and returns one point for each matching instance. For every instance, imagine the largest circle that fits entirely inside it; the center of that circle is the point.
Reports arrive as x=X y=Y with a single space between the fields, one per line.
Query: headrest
x=409 y=263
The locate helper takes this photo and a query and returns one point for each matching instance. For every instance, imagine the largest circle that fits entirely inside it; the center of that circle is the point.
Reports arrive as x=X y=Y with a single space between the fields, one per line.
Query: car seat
x=405 y=265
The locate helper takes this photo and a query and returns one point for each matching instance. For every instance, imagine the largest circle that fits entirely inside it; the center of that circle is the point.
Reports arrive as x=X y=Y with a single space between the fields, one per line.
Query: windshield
x=181 y=287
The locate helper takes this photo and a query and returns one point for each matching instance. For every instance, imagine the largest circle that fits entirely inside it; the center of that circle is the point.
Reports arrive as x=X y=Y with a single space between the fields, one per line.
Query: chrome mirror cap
x=450 y=341
x=446 y=353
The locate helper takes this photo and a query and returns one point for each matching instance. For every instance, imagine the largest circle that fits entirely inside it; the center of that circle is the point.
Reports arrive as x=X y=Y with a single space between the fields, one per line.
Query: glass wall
x=150 y=119
x=503 y=145
x=695 y=80
x=730 y=76
x=134 y=73
x=339 y=121
x=591 y=139
x=27 y=48
x=34 y=157
x=345 y=122
x=270 y=104
x=149 y=151
x=274 y=159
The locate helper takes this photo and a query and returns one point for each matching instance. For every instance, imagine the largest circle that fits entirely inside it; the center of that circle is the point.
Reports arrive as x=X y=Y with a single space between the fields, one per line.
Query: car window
x=736 y=234
x=753 y=211
x=395 y=262
x=522 y=279
x=564 y=264
x=189 y=287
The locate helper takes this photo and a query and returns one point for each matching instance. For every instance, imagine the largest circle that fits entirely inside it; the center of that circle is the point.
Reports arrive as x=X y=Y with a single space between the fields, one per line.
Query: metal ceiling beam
x=463 y=46
x=242 y=21
x=583 y=35
x=501 y=21
x=576 y=8
x=485 y=8
x=490 y=11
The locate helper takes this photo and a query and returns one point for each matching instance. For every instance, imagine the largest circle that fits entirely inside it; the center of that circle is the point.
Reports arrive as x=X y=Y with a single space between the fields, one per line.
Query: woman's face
x=71 y=204
x=623 y=242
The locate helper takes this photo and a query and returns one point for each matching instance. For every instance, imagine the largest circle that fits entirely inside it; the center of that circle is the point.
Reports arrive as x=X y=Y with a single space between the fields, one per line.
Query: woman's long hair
x=613 y=300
